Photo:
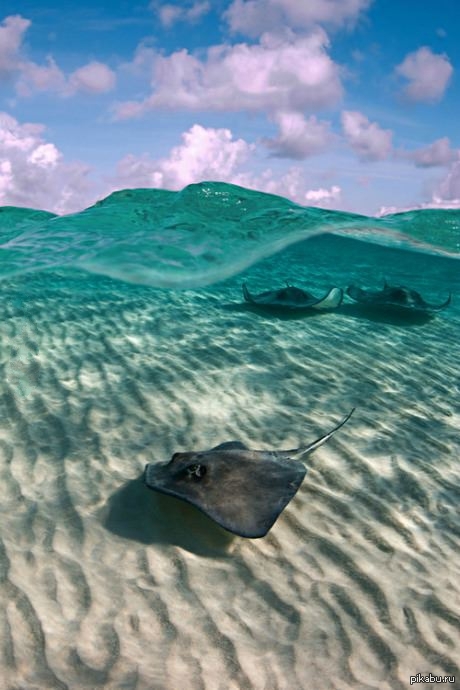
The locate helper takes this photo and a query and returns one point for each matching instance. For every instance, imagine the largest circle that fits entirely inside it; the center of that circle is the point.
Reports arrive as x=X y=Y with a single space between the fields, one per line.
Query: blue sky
x=346 y=104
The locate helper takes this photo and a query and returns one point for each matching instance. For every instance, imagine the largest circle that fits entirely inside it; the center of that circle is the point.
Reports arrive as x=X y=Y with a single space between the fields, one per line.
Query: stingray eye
x=195 y=472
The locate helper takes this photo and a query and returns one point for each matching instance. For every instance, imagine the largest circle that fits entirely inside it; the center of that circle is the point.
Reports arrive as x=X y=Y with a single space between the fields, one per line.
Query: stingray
x=395 y=297
x=243 y=490
x=292 y=298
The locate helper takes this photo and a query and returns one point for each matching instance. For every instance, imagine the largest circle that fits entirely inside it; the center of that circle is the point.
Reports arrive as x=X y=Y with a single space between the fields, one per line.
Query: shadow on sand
x=382 y=314
x=389 y=315
x=139 y=514
x=275 y=312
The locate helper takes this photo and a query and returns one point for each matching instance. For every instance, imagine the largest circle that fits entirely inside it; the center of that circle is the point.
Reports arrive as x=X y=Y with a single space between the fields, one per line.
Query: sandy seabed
x=105 y=584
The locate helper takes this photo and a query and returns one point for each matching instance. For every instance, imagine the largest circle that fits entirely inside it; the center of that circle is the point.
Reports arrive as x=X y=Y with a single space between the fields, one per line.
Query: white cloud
x=33 y=77
x=14 y=136
x=428 y=74
x=34 y=174
x=367 y=139
x=12 y=30
x=44 y=156
x=198 y=10
x=205 y=154
x=449 y=187
x=254 y=17
x=289 y=73
x=299 y=137
x=436 y=202
x=446 y=194
x=291 y=185
x=437 y=153
x=213 y=154
x=95 y=77
x=127 y=110
x=169 y=14
x=319 y=197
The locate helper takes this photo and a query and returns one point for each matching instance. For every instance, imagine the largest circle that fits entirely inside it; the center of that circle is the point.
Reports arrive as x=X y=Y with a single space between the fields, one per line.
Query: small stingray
x=395 y=297
x=242 y=490
x=291 y=297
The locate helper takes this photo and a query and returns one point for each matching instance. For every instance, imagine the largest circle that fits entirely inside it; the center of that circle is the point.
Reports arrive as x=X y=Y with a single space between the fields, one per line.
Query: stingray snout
x=151 y=472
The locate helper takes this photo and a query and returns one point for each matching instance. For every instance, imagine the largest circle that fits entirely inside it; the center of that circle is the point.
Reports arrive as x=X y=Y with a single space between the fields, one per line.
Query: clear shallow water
x=203 y=234
x=105 y=584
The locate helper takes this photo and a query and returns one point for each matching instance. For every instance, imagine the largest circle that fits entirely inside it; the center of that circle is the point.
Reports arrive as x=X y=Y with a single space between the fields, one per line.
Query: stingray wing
x=243 y=491
x=230 y=445
x=396 y=298
x=267 y=298
x=331 y=300
x=291 y=297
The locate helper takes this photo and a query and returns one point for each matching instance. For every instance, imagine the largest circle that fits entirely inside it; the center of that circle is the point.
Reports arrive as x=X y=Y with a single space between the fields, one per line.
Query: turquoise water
x=124 y=338
x=203 y=234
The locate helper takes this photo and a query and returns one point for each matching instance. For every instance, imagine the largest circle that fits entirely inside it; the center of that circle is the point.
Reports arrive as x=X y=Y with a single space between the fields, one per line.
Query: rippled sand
x=106 y=584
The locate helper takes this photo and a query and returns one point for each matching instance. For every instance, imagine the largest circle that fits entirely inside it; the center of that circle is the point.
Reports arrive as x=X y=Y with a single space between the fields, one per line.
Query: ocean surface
x=124 y=338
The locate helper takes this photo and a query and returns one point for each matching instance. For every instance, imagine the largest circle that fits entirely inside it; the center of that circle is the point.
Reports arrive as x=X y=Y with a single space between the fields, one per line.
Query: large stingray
x=395 y=297
x=242 y=490
x=291 y=297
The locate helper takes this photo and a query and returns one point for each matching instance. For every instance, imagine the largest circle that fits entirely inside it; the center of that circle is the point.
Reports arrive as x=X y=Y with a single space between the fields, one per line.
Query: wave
x=202 y=234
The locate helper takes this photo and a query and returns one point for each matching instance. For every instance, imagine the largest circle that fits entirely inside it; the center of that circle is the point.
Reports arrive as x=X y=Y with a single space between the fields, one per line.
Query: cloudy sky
x=346 y=104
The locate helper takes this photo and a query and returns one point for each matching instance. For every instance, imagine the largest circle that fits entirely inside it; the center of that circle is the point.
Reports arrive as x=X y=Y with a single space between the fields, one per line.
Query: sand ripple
x=105 y=584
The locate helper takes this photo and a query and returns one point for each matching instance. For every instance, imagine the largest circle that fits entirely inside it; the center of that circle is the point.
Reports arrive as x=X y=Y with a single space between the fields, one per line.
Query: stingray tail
x=443 y=305
x=247 y=294
x=301 y=453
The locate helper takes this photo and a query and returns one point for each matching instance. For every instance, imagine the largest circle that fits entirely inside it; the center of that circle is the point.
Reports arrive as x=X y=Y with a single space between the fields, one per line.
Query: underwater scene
x=148 y=346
